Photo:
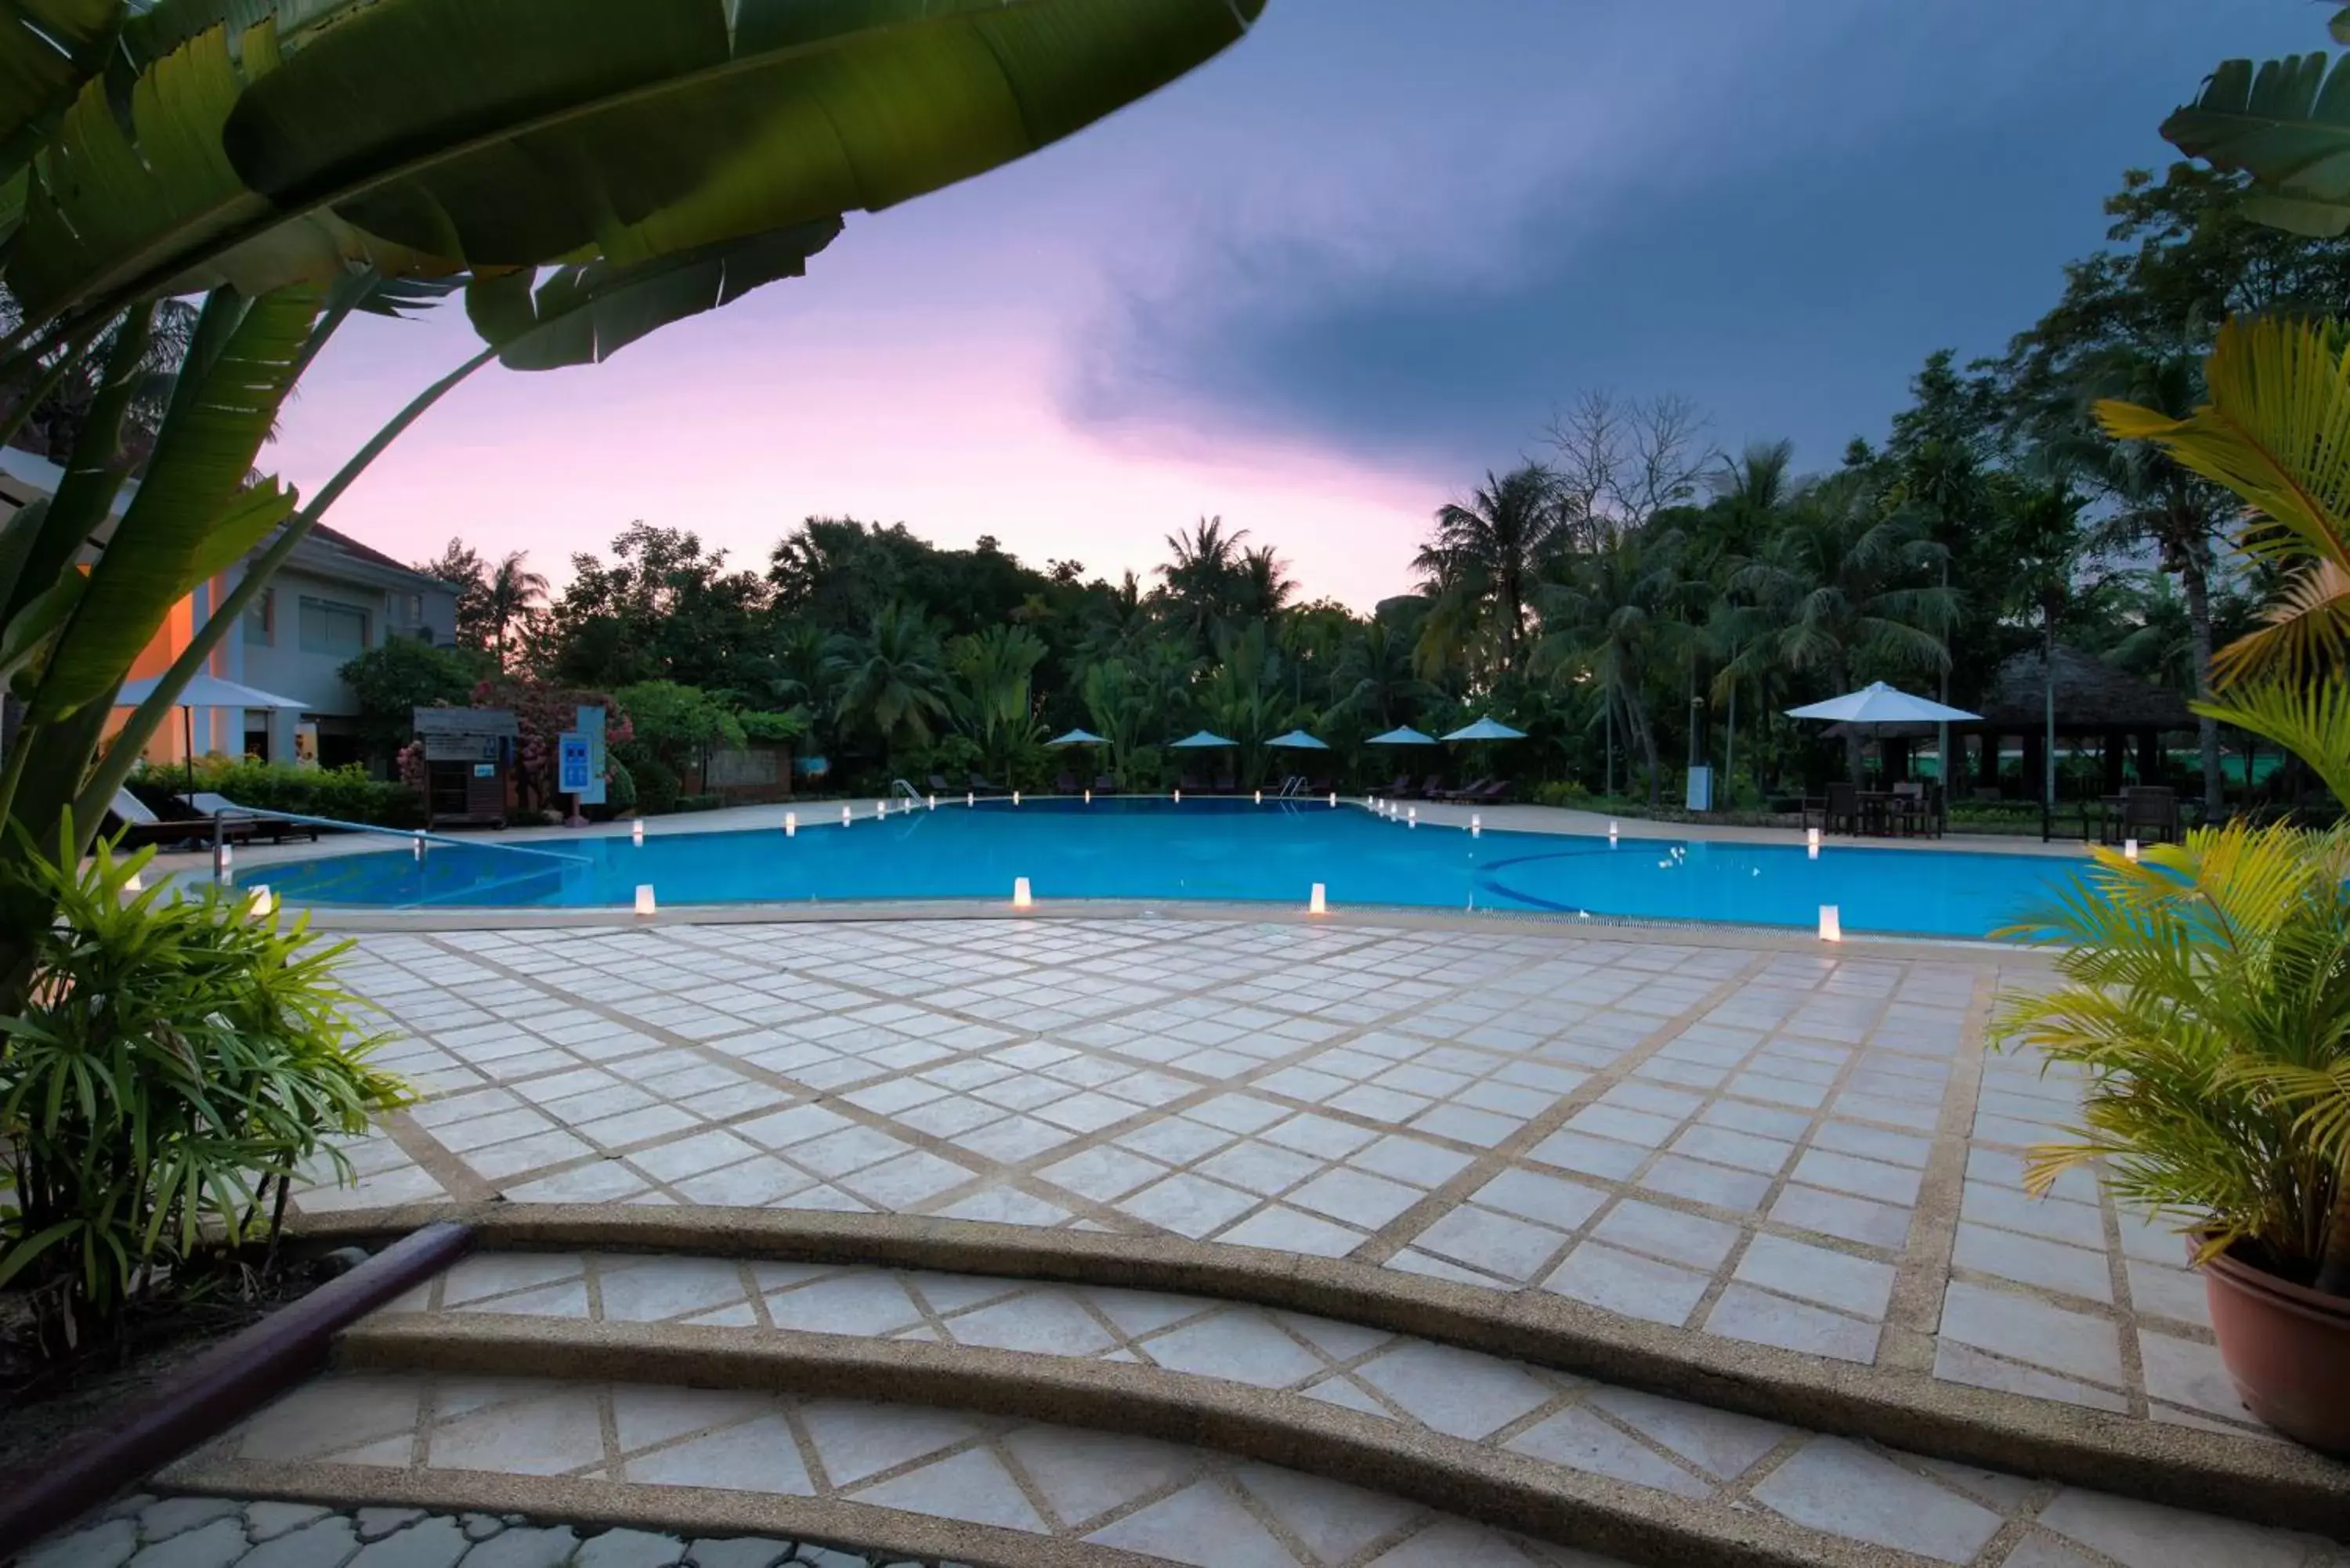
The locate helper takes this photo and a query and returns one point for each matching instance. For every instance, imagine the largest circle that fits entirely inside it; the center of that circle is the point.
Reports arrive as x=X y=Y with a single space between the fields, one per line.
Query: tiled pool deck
x=1756 y=1141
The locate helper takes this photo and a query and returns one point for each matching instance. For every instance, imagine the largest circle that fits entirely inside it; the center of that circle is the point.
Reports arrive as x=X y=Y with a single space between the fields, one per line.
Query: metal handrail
x=903 y=788
x=418 y=837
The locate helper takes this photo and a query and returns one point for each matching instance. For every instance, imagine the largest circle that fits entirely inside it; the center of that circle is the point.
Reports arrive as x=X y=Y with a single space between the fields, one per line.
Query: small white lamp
x=934 y=802
x=1316 y=904
x=1812 y=841
x=1611 y=831
x=845 y=816
x=1334 y=797
x=136 y=883
x=1089 y=797
x=262 y=904
x=1260 y=797
x=1178 y=797
x=1021 y=897
x=1831 y=924
x=1015 y=797
x=637 y=831
x=791 y=825
x=644 y=897
x=1476 y=825
x=880 y=809
x=418 y=846
x=1412 y=815
x=970 y=797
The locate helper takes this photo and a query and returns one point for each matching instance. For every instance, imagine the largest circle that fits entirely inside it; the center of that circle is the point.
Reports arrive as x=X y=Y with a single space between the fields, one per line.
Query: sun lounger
x=257 y=822
x=134 y=826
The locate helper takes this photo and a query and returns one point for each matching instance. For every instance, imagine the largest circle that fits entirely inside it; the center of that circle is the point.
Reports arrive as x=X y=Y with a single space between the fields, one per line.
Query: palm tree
x=1203 y=579
x=896 y=682
x=1262 y=588
x=2156 y=500
x=1844 y=584
x=995 y=672
x=514 y=593
x=1499 y=541
x=1376 y=678
x=1608 y=622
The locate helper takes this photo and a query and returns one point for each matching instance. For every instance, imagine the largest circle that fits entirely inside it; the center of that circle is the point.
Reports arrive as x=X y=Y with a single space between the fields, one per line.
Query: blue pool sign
x=574 y=758
x=589 y=727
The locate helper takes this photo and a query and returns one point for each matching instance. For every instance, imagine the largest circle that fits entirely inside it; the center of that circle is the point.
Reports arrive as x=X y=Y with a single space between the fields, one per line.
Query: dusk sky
x=1321 y=286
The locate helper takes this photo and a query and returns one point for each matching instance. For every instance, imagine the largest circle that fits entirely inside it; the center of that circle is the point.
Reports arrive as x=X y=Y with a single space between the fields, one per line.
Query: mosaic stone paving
x=1801 y=1149
x=1948 y=1513
x=227 y=1533
x=1157 y=1500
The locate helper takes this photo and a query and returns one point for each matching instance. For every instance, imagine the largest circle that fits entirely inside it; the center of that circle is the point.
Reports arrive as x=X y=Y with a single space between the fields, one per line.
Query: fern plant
x=2206 y=993
x=178 y=1059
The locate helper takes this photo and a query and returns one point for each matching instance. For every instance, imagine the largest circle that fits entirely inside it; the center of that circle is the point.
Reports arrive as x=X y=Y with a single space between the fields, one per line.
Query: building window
x=331 y=628
x=261 y=619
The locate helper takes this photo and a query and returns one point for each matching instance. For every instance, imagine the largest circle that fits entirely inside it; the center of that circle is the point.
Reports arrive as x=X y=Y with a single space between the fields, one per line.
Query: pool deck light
x=1089 y=797
x=791 y=825
x=1179 y=797
x=1612 y=830
x=418 y=847
x=1411 y=814
x=637 y=832
x=644 y=900
x=845 y=816
x=1315 y=903
x=262 y=904
x=2129 y=849
x=1831 y=923
x=1260 y=797
x=1021 y=897
x=1015 y=797
x=1476 y=825
x=1812 y=841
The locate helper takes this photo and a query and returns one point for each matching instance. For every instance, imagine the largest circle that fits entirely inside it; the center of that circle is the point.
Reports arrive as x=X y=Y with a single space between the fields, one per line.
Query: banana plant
x=298 y=160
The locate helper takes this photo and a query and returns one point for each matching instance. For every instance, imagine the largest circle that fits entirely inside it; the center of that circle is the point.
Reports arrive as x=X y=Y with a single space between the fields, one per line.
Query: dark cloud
x=1793 y=254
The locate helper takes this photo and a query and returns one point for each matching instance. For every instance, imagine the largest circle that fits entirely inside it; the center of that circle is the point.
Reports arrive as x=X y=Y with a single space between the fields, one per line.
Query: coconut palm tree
x=1846 y=585
x=1377 y=679
x=896 y=681
x=1498 y=542
x=514 y=593
x=1203 y=579
x=1263 y=587
x=1609 y=620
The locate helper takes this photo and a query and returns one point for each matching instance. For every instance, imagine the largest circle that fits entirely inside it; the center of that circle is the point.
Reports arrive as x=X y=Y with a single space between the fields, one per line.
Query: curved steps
x=739 y=1394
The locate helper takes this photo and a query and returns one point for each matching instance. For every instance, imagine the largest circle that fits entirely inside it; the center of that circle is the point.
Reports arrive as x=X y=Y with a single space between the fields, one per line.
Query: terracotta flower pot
x=2288 y=1349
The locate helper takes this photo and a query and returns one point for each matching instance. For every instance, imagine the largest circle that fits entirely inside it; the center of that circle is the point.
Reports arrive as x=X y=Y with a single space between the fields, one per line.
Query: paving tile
x=1460 y=1392
x=1202 y=1525
x=1762 y=1318
x=1621 y=1281
x=1839 y=1214
x=1084 y=1475
x=2018 y=1327
x=1872 y=1178
x=1282 y=1229
x=1842 y=1489
x=2052 y=1265
x=1189 y=1206
x=1045 y=1323
x=1592 y=1156
x=2158 y=1290
x=1855 y=1285
x=1716 y=1442
x=854 y=1439
x=1239 y=1346
x=1547 y=1200
x=972 y=1486
x=2146 y=1535
x=1726 y=1146
x=756 y=1456
x=1332 y=1521
x=1582 y=1440
x=552 y=1433
x=858 y=1304
x=1700 y=1182
x=1369 y=1201
x=2189 y=1372
x=1667 y=1233
x=1955 y=1363
x=1513 y=1249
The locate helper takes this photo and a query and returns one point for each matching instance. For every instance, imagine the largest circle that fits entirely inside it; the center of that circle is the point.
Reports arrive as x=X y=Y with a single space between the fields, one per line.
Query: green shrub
x=345 y=794
x=1567 y=792
x=657 y=788
x=699 y=802
x=180 y=1061
x=619 y=792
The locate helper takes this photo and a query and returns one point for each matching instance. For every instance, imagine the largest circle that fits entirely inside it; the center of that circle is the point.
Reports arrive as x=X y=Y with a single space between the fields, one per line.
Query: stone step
x=425 y=1407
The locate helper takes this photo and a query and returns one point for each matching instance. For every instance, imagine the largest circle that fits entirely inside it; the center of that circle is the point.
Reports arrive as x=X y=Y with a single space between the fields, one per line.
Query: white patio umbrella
x=1878 y=703
x=202 y=692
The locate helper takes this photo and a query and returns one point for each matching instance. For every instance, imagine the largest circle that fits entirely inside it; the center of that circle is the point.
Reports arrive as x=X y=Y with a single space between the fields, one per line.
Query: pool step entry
x=993 y=1418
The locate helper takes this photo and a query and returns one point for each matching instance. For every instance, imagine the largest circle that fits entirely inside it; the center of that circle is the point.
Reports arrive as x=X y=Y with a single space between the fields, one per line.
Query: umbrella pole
x=188 y=716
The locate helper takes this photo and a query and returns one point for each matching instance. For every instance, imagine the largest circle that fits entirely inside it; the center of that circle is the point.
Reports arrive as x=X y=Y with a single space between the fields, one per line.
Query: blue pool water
x=1222 y=849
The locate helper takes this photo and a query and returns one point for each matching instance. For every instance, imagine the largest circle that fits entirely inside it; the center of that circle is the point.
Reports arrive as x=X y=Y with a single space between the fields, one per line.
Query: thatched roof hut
x=2093 y=698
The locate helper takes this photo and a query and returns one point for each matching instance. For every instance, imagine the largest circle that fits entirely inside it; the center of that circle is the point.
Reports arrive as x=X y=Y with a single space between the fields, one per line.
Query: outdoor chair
x=938 y=784
x=1401 y=788
x=1493 y=792
x=979 y=784
x=2150 y=812
x=1065 y=782
x=137 y=827
x=1105 y=784
x=1840 y=813
x=277 y=827
x=1321 y=787
x=1433 y=787
x=1466 y=792
x=1191 y=782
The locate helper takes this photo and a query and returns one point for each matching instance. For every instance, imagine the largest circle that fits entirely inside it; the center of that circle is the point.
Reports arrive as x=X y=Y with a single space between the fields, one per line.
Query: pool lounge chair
x=1105 y=784
x=1191 y=782
x=1493 y=792
x=938 y=784
x=1466 y=792
x=1065 y=782
x=132 y=826
x=1401 y=788
x=979 y=784
x=257 y=822
x=1433 y=787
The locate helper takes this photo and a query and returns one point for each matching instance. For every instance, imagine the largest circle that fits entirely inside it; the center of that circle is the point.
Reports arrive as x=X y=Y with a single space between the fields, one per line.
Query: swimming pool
x=1215 y=849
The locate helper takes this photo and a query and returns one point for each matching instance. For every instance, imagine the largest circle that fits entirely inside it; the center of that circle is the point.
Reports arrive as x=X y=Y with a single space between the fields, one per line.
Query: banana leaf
x=584 y=315
x=423 y=137
x=201 y=459
x=2286 y=123
x=48 y=49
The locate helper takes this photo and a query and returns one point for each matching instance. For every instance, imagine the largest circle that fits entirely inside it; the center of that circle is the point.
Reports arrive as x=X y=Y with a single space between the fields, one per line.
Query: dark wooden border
x=224 y=1385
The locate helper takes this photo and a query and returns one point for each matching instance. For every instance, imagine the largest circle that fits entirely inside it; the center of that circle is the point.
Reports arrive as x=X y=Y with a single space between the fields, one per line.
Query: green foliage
x=392 y=681
x=177 y=1062
x=765 y=727
x=345 y=794
x=672 y=729
x=2207 y=996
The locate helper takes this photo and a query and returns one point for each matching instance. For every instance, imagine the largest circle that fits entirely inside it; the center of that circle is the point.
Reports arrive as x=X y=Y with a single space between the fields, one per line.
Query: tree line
x=1634 y=597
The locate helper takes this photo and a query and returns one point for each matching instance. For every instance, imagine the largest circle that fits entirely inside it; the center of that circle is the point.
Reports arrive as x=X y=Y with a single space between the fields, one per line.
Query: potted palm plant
x=2206 y=992
x=2206 y=988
